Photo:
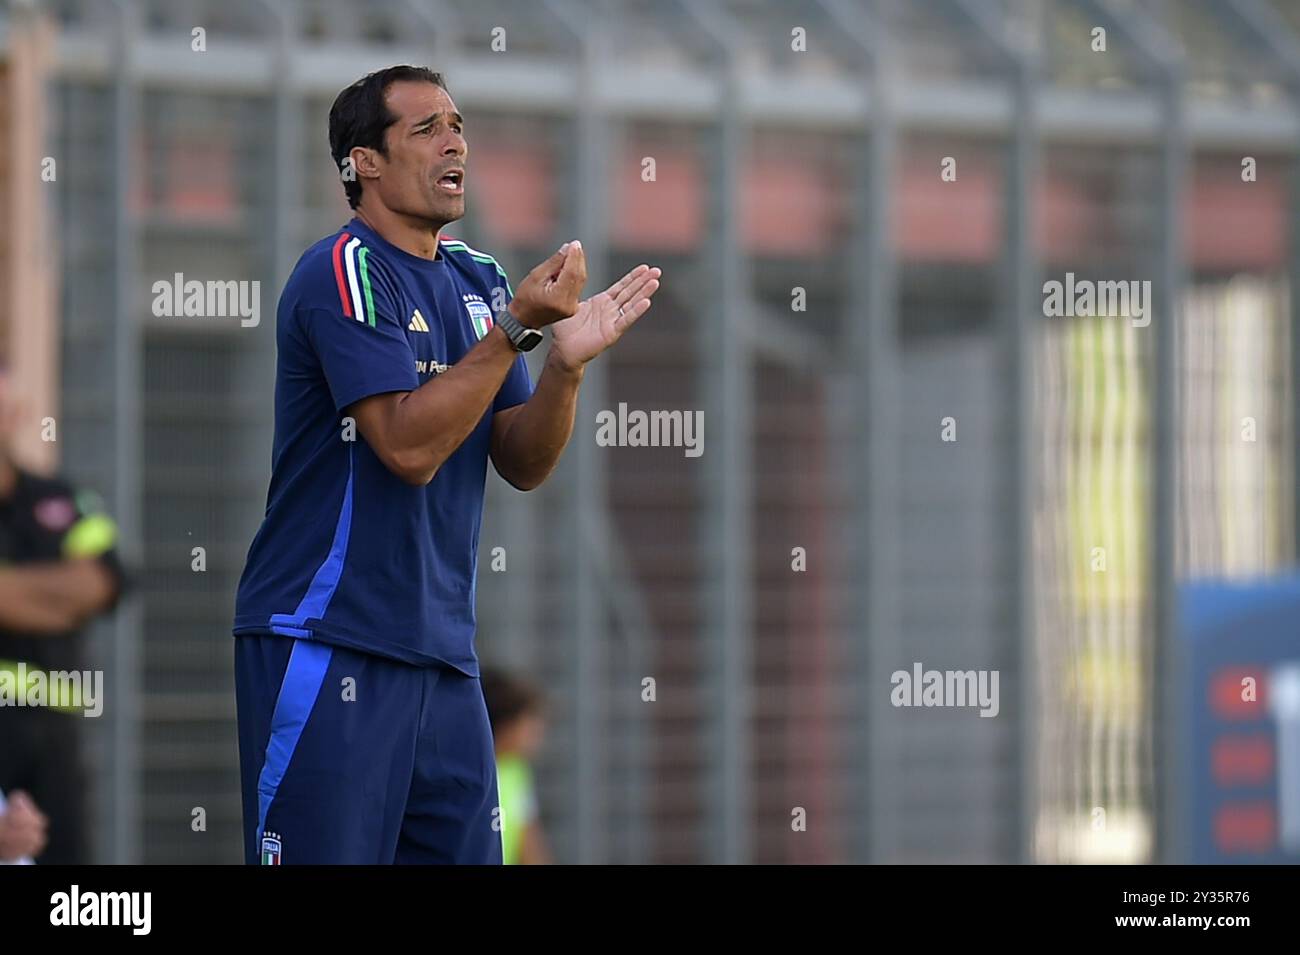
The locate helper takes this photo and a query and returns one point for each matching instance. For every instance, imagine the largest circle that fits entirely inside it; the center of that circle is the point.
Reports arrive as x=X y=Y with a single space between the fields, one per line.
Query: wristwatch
x=521 y=336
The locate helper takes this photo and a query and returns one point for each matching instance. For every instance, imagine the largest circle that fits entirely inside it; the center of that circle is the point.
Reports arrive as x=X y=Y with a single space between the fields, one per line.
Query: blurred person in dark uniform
x=58 y=569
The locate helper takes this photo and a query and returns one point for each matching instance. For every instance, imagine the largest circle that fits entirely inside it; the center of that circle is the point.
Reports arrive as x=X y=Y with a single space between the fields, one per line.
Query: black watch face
x=529 y=339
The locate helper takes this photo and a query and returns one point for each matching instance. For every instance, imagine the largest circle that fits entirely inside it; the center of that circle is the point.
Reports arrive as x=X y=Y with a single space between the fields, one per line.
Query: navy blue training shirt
x=348 y=553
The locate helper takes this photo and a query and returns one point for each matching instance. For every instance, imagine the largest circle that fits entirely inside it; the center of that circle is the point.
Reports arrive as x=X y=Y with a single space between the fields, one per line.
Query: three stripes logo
x=417 y=324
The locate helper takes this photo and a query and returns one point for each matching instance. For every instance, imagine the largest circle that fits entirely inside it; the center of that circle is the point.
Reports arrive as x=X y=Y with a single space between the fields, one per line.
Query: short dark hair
x=508 y=697
x=359 y=116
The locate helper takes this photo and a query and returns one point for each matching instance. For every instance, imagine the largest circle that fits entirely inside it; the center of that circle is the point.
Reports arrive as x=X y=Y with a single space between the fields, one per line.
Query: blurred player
x=58 y=569
x=363 y=733
x=516 y=711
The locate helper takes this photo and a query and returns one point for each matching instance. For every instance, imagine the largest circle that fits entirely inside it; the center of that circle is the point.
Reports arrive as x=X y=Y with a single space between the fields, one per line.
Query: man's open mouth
x=453 y=181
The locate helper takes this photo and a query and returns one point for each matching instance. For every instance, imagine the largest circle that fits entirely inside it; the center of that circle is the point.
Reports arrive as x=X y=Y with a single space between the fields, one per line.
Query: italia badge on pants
x=270 y=849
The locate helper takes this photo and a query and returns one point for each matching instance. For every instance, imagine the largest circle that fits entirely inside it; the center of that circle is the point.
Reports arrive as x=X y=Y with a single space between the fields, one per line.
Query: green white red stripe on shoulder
x=352 y=275
x=457 y=245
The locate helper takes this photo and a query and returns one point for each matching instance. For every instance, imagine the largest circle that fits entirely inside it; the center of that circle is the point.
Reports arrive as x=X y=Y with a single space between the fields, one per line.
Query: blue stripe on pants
x=303 y=678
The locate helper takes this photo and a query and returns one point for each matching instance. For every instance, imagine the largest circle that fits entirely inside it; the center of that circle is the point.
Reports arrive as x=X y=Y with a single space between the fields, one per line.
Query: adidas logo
x=418 y=324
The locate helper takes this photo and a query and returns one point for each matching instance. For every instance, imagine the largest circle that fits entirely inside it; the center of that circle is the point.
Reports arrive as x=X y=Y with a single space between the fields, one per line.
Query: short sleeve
x=518 y=386
x=361 y=346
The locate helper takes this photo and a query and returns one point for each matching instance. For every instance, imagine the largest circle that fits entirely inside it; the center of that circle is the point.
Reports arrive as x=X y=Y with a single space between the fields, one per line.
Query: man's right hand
x=550 y=292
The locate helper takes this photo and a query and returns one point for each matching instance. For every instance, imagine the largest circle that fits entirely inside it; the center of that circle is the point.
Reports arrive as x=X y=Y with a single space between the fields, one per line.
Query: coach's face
x=424 y=173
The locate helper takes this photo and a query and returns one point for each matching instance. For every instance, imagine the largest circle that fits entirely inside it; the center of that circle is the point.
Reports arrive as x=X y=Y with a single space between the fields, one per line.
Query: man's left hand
x=602 y=319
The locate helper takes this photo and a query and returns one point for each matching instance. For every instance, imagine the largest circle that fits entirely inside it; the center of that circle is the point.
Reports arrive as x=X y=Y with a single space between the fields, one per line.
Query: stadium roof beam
x=550 y=84
x=1272 y=32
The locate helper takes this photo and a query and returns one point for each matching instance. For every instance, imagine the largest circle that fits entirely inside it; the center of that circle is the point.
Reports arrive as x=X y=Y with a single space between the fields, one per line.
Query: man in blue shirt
x=363 y=733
